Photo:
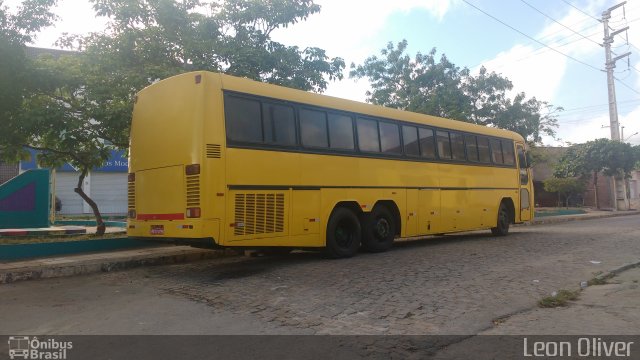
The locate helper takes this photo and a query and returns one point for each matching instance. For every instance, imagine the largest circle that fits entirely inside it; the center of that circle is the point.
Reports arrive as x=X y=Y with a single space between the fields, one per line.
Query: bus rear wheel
x=379 y=230
x=502 y=228
x=343 y=234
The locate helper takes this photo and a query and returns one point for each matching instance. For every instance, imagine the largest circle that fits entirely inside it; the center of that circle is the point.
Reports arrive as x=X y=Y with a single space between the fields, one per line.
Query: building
x=543 y=169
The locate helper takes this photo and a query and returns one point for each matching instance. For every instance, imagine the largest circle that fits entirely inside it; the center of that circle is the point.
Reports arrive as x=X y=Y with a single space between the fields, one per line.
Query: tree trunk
x=595 y=189
x=101 y=227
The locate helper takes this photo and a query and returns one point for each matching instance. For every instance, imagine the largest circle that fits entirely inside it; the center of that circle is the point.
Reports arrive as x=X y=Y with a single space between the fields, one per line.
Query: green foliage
x=81 y=104
x=438 y=87
x=15 y=31
x=562 y=298
x=565 y=187
x=613 y=158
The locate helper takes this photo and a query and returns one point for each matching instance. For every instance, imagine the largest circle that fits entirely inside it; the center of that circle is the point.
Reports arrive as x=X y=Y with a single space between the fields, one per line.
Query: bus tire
x=379 y=230
x=502 y=227
x=343 y=234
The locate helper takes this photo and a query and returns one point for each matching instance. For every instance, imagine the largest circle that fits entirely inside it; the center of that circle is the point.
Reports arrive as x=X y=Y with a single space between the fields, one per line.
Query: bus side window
x=472 y=148
x=496 y=152
x=507 y=152
x=457 y=146
x=243 y=119
x=341 y=132
x=410 y=140
x=483 y=149
x=444 y=145
x=368 y=139
x=389 y=138
x=427 y=143
x=279 y=124
x=313 y=128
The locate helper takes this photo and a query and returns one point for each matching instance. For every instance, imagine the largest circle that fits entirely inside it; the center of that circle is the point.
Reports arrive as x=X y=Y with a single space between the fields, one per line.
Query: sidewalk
x=123 y=259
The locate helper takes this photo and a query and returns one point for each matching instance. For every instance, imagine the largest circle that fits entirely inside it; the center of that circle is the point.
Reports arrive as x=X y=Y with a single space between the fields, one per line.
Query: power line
x=559 y=23
x=625 y=85
x=529 y=37
x=577 y=8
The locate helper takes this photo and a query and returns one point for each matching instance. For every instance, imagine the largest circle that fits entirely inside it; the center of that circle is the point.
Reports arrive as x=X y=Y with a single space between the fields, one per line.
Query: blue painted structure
x=25 y=200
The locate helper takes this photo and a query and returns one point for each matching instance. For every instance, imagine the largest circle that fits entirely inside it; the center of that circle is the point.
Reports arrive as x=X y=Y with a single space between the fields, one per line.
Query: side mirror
x=529 y=160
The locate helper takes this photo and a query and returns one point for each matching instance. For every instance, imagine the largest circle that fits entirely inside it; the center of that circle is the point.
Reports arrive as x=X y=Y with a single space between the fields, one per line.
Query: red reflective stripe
x=178 y=216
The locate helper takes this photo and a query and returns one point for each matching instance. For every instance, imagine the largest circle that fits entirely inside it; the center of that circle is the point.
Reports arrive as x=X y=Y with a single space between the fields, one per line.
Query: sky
x=549 y=49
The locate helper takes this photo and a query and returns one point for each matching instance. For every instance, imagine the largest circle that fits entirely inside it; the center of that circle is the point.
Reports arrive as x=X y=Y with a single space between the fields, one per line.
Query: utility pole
x=619 y=188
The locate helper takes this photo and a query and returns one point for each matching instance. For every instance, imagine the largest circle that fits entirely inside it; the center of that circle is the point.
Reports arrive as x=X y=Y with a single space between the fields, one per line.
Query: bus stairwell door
x=525 y=178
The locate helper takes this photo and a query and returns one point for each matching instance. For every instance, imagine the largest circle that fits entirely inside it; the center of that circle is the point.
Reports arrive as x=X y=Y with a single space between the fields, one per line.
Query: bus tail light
x=193 y=169
x=193 y=212
x=132 y=214
x=131 y=177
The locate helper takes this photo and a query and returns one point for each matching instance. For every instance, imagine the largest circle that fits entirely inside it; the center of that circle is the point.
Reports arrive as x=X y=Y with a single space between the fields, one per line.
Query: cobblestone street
x=453 y=284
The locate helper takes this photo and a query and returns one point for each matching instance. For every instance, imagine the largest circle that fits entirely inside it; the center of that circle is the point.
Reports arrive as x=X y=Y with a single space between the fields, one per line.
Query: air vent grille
x=131 y=195
x=213 y=151
x=259 y=214
x=193 y=190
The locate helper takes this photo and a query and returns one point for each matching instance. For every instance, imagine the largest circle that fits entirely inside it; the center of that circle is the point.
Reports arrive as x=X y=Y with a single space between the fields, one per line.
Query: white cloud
x=350 y=29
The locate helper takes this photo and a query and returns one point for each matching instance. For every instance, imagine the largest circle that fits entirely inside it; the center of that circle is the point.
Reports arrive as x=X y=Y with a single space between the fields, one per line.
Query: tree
x=85 y=108
x=441 y=88
x=612 y=158
x=565 y=187
x=15 y=31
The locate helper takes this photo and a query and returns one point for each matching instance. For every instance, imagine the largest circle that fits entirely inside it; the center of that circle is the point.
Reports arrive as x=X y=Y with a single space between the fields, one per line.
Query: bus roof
x=248 y=86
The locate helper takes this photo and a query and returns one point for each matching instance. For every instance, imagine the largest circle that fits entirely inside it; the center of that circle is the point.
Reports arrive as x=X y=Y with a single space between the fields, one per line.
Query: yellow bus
x=217 y=160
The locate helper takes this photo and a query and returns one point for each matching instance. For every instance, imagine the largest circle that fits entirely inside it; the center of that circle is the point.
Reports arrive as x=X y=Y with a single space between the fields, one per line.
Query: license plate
x=157 y=229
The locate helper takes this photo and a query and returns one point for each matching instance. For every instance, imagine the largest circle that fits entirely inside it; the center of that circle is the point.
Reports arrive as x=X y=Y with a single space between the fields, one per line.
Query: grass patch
x=597 y=281
x=560 y=299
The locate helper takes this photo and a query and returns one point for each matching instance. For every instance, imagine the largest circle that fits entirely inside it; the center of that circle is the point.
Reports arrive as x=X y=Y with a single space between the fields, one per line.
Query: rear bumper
x=203 y=243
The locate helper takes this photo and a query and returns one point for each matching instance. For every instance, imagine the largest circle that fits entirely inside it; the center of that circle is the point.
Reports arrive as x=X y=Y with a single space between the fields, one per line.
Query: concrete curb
x=613 y=272
x=105 y=262
x=566 y=218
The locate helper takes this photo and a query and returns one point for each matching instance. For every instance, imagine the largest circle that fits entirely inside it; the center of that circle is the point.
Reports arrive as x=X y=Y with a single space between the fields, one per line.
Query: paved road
x=454 y=284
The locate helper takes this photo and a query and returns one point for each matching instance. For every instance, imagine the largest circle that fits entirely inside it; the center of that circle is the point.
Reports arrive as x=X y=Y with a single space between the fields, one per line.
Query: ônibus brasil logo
x=31 y=348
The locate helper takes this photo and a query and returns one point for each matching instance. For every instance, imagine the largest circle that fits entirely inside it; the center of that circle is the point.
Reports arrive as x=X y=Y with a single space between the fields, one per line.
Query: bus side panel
x=410 y=218
x=429 y=211
x=305 y=213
